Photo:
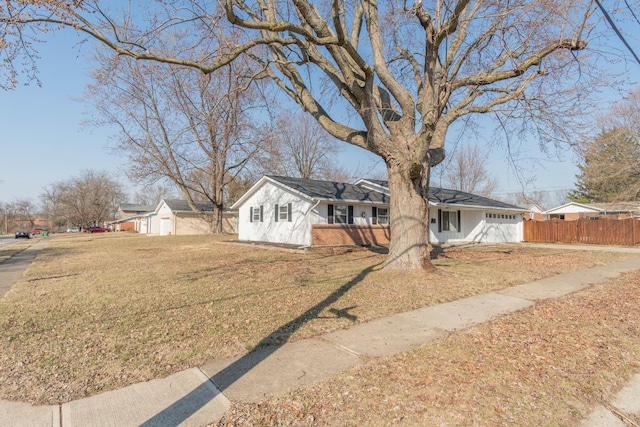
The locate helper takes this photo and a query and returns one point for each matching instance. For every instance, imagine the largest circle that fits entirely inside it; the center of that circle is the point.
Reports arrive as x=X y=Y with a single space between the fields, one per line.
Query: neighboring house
x=175 y=217
x=314 y=213
x=132 y=217
x=536 y=213
x=573 y=211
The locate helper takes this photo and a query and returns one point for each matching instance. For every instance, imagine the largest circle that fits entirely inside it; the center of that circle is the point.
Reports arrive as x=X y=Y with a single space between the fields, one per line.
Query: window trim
x=331 y=214
x=445 y=221
x=280 y=209
x=382 y=219
x=341 y=217
x=256 y=213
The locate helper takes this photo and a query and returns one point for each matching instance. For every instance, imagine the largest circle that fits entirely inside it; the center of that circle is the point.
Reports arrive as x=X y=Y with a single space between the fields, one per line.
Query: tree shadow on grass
x=182 y=409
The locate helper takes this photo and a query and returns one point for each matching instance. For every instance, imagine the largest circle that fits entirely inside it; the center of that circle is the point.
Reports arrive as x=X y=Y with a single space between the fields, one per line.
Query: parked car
x=96 y=230
x=23 y=233
x=36 y=231
x=73 y=230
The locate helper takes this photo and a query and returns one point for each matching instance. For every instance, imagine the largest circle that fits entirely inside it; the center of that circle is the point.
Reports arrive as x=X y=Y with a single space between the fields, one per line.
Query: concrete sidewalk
x=11 y=270
x=198 y=396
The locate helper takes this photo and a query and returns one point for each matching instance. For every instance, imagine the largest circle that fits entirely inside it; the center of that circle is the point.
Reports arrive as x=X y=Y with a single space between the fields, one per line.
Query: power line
x=617 y=31
x=631 y=10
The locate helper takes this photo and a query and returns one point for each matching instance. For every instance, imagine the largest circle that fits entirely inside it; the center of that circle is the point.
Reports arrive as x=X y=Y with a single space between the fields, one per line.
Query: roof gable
x=614 y=207
x=572 y=207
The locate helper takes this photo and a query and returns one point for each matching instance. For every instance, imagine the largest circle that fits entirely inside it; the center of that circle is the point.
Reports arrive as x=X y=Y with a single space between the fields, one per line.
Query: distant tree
x=610 y=168
x=52 y=205
x=301 y=148
x=89 y=199
x=18 y=215
x=610 y=161
x=544 y=199
x=152 y=194
x=467 y=171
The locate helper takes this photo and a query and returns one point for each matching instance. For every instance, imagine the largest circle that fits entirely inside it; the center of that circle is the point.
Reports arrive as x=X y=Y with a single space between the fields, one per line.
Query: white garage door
x=165 y=226
x=502 y=230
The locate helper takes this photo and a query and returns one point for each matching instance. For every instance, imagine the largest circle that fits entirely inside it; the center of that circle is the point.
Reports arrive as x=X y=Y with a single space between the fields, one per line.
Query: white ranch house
x=314 y=213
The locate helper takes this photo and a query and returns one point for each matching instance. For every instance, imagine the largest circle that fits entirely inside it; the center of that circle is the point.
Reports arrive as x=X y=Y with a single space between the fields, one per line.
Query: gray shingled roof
x=455 y=197
x=333 y=191
x=441 y=196
x=180 y=205
x=327 y=190
x=136 y=208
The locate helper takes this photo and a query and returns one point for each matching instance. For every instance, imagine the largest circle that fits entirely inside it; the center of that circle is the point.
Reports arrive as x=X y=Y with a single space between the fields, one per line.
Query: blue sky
x=42 y=140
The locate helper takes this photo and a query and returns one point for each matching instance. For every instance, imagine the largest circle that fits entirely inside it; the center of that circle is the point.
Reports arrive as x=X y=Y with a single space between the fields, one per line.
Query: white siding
x=143 y=225
x=468 y=223
x=165 y=226
x=507 y=228
x=477 y=226
x=297 y=231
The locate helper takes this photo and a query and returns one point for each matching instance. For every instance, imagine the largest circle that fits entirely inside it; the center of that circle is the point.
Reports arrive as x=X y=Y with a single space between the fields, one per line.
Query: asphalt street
x=7 y=239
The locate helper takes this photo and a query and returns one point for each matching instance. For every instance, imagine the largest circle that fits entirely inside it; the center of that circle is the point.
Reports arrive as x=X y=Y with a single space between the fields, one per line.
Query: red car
x=96 y=230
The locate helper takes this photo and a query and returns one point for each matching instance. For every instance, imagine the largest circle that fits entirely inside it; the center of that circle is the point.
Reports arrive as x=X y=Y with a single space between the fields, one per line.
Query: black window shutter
x=374 y=215
x=459 y=223
x=439 y=220
x=330 y=214
x=250 y=214
x=261 y=212
x=350 y=219
x=277 y=213
x=289 y=212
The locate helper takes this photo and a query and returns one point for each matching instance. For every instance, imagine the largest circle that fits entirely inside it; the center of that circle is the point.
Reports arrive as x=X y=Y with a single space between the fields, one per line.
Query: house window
x=383 y=216
x=449 y=220
x=255 y=213
x=339 y=214
x=379 y=216
x=283 y=213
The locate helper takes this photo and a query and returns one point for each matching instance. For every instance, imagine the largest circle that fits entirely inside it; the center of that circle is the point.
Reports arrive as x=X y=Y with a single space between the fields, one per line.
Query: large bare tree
x=178 y=124
x=390 y=78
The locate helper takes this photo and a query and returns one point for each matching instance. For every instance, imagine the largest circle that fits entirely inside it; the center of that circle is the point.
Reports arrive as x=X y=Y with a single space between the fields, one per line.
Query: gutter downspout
x=309 y=219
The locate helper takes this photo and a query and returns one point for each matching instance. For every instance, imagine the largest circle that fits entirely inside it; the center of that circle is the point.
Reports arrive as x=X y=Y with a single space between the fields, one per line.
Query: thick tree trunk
x=409 y=247
x=216 y=219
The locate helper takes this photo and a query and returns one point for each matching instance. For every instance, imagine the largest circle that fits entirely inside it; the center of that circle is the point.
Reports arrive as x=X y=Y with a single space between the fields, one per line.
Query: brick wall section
x=359 y=235
x=127 y=226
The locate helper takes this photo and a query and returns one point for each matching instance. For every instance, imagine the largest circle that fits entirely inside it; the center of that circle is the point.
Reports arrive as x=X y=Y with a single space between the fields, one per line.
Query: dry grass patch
x=99 y=312
x=548 y=365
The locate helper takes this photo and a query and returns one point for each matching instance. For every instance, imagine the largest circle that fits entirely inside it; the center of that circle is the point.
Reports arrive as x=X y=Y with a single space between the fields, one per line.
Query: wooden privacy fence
x=595 y=231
